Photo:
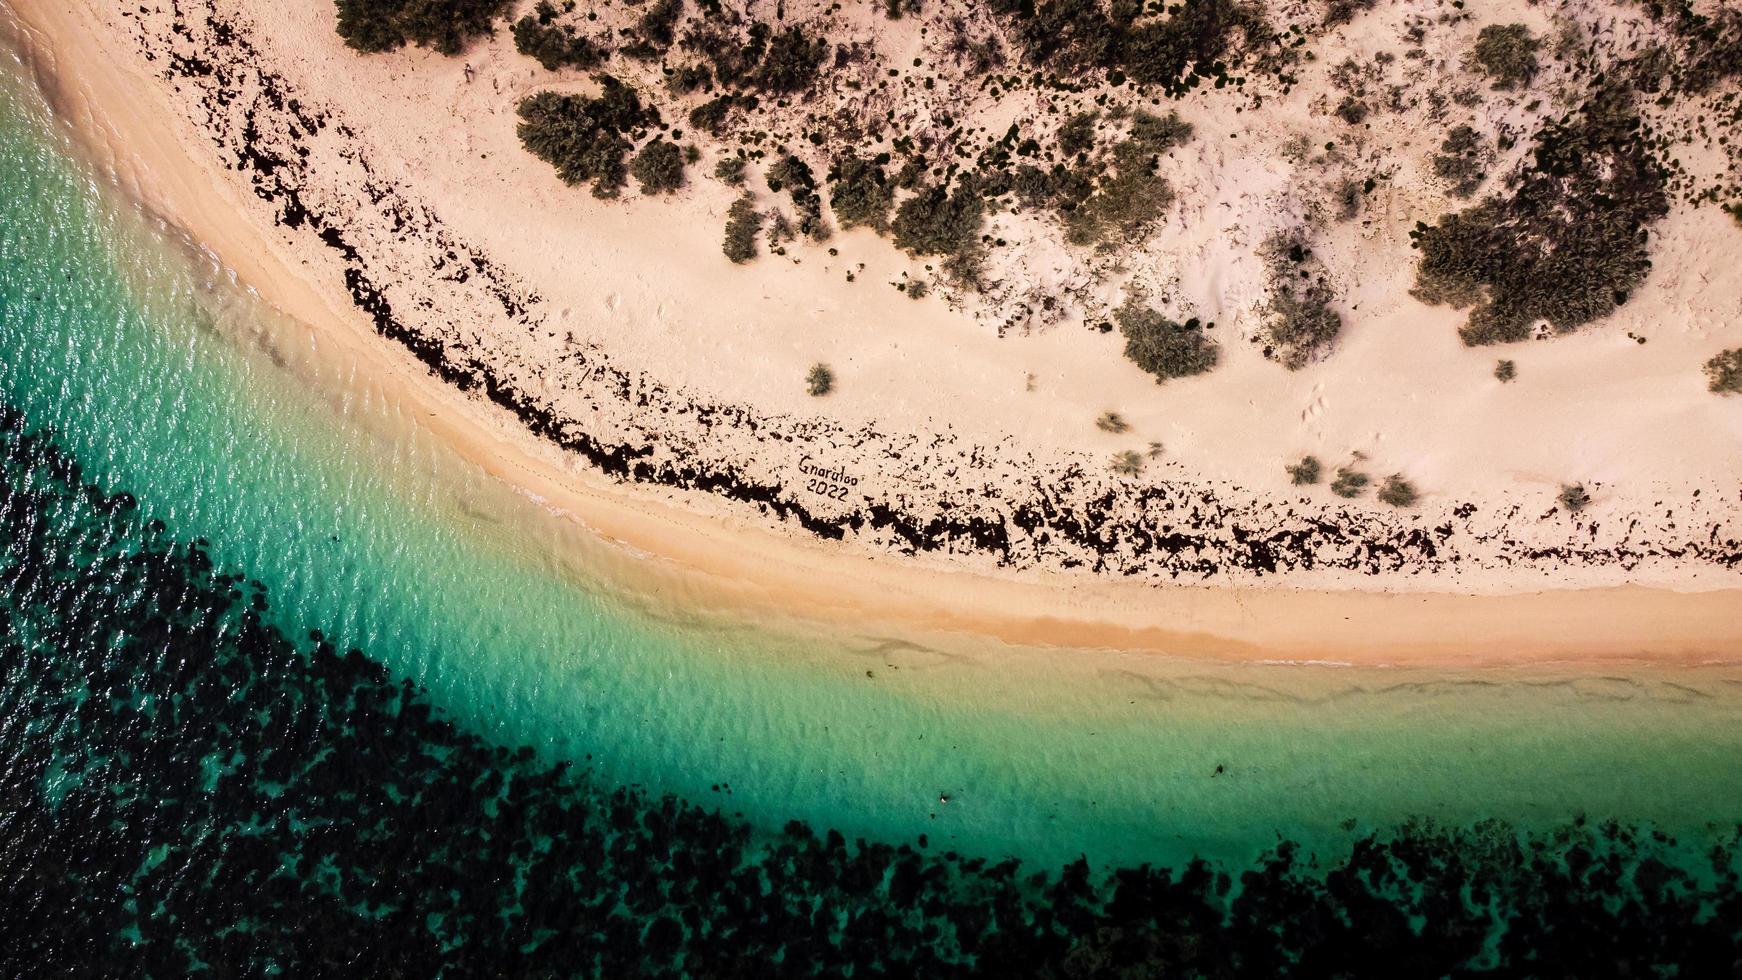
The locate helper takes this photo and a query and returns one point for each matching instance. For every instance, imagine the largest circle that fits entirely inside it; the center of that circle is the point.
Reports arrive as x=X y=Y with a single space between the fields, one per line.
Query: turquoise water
x=168 y=381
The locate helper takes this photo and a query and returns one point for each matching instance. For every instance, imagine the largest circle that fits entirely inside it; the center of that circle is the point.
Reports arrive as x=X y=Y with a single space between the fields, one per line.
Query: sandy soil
x=927 y=392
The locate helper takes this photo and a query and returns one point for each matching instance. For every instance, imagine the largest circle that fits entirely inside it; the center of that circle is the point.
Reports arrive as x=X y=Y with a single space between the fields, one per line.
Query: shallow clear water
x=165 y=380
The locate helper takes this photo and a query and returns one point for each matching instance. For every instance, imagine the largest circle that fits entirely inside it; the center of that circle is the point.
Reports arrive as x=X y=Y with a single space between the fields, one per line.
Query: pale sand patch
x=133 y=135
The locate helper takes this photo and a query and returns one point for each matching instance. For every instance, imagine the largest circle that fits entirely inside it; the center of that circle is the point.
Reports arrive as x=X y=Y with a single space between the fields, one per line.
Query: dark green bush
x=1567 y=247
x=585 y=139
x=1124 y=202
x=1724 y=372
x=1349 y=483
x=1398 y=492
x=658 y=168
x=1460 y=161
x=1194 y=39
x=1305 y=472
x=657 y=25
x=1112 y=422
x=860 y=193
x=795 y=177
x=792 y=62
x=1506 y=53
x=730 y=170
x=819 y=380
x=1163 y=347
x=1298 y=316
x=1574 y=498
x=1505 y=371
x=688 y=78
x=743 y=221
x=938 y=221
x=445 y=25
x=1159 y=134
x=1077 y=134
x=710 y=116
x=553 y=45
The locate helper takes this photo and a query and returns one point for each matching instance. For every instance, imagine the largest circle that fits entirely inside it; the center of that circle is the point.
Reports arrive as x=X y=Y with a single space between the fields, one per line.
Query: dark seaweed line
x=1130 y=532
x=185 y=791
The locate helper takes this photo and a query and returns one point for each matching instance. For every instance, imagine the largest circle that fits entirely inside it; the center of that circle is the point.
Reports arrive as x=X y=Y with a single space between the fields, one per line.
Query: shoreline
x=129 y=134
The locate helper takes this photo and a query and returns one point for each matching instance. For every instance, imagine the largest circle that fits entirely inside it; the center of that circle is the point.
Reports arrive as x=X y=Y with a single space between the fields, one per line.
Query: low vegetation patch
x=554 y=45
x=1460 y=161
x=1398 y=492
x=794 y=176
x=1505 y=371
x=743 y=222
x=1304 y=473
x=1127 y=463
x=940 y=221
x=1574 y=498
x=860 y=193
x=445 y=25
x=1164 y=347
x=819 y=380
x=1724 y=372
x=1299 y=321
x=1350 y=483
x=658 y=168
x=1112 y=422
x=585 y=139
x=1506 y=53
x=1567 y=247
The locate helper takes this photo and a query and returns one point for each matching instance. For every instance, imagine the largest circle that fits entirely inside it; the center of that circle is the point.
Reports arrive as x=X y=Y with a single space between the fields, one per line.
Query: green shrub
x=819 y=380
x=1505 y=371
x=1161 y=346
x=743 y=221
x=1735 y=211
x=860 y=193
x=1574 y=498
x=1724 y=372
x=1349 y=483
x=710 y=116
x=658 y=168
x=1398 y=492
x=553 y=45
x=688 y=78
x=585 y=139
x=1567 y=247
x=1127 y=463
x=1077 y=134
x=938 y=221
x=1124 y=203
x=1112 y=422
x=791 y=63
x=445 y=25
x=1159 y=134
x=793 y=175
x=658 y=23
x=1298 y=317
x=1506 y=53
x=1460 y=161
x=1305 y=472
x=730 y=170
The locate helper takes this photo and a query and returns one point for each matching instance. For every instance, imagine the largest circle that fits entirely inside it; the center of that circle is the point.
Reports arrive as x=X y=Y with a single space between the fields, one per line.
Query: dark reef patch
x=187 y=791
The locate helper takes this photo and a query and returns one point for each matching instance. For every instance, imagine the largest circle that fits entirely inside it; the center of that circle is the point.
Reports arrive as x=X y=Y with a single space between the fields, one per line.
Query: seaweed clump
x=1570 y=243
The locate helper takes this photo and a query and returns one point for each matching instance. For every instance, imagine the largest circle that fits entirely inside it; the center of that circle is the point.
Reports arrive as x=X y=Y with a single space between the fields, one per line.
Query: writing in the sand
x=831 y=483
